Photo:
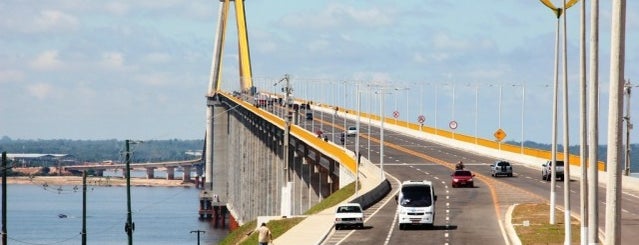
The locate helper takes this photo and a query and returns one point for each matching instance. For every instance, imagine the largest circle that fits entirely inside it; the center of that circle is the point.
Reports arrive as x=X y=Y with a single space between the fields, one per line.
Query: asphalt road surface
x=463 y=215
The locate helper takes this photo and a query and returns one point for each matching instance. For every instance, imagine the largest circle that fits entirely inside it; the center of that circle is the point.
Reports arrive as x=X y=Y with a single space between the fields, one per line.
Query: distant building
x=41 y=160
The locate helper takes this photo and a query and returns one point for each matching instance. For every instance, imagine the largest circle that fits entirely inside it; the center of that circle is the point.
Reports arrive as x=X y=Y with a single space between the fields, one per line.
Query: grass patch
x=539 y=231
x=279 y=227
x=334 y=199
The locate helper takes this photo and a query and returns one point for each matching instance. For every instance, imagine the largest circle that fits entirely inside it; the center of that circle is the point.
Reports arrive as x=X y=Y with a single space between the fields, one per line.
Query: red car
x=462 y=178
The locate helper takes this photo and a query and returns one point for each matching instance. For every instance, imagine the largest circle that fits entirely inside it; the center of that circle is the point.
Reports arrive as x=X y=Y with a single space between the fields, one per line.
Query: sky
x=91 y=70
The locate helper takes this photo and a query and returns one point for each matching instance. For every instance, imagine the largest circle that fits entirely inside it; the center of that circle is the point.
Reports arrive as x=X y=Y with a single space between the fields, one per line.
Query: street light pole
x=406 y=113
x=593 y=127
x=499 y=111
x=381 y=134
x=627 y=89
x=396 y=109
x=615 y=107
x=476 y=110
x=381 y=93
x=523 y=107
x=436 y=105
x=567 y=208
x=357 y=153
x=370 y=112
x=453 y=106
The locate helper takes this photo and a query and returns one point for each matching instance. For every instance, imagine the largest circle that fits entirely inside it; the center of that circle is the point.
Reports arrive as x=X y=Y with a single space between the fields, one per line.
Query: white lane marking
x=390 y=230
x=630 y=194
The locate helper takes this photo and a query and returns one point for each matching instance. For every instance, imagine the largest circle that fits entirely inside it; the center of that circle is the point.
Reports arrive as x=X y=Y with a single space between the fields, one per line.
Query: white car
x=349 y=215
x=351 y=131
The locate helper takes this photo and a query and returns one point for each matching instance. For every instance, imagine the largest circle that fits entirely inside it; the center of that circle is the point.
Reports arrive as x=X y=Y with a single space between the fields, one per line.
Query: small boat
x=62 y=216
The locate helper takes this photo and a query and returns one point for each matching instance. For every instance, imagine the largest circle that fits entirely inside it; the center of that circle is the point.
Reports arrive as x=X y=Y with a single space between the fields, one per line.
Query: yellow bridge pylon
x=246 y=80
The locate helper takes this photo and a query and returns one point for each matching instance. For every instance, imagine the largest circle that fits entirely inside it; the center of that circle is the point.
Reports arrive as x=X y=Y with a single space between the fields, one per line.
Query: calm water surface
x=162 y=215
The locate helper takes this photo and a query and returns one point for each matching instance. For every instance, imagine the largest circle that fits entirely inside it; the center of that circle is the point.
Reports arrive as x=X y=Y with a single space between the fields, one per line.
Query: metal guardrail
x=330 y=150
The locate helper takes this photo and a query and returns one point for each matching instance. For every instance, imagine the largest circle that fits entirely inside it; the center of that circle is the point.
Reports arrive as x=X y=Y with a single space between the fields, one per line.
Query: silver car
x=502 y=168
x=351 y=131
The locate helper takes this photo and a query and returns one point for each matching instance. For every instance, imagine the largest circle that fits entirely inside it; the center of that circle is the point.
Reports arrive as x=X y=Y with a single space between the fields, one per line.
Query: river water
x=162 y=215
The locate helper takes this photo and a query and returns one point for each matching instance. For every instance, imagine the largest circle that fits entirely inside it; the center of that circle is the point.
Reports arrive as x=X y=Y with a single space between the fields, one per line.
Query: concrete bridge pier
x=170 y=173
x=150 y=172
x=98 y=172
x=186 y=175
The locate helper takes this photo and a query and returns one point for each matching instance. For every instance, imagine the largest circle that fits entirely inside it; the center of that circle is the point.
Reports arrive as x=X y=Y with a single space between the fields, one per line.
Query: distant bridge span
x=150 y=168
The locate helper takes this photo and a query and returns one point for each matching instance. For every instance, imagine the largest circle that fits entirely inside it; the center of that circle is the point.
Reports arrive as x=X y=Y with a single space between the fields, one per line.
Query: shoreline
x=96 y=181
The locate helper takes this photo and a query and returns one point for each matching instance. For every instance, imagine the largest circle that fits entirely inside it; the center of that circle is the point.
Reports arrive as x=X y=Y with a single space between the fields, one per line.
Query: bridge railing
x=330 y=150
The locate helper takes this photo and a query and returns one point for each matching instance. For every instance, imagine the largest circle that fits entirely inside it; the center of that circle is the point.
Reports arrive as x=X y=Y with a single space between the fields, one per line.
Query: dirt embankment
x=94 y=181
x=31 y=178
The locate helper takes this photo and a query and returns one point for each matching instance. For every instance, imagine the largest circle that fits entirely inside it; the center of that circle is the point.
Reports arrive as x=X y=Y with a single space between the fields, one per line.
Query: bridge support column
x=186 y=176
x=170 y=173
x=150 y=172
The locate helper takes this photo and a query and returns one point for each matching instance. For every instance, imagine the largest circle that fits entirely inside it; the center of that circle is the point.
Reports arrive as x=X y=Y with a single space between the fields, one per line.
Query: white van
x=416 y=203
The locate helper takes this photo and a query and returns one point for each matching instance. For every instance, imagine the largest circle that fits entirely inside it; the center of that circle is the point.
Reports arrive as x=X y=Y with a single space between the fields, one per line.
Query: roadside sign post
x=499 y=136
x=453 y=125
x=421 y=119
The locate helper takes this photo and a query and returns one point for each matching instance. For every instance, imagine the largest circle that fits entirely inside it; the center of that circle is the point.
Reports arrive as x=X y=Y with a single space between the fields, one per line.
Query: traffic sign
x=499 y=135
x=421 y=119
x=452 y=124
x=396 y=114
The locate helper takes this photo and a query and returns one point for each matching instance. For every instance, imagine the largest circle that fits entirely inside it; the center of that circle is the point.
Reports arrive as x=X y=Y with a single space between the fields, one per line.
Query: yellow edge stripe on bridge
x=331 y=150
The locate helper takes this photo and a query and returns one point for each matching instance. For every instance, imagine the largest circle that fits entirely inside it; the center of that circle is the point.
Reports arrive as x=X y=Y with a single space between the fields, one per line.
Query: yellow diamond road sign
x=500 y=134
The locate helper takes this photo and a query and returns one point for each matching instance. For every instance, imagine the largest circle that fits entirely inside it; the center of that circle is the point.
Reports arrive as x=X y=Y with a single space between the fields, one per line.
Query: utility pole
x=129 y=227
x=84 y=207
x=198 y=235
x=627 y=90
x=4 y=197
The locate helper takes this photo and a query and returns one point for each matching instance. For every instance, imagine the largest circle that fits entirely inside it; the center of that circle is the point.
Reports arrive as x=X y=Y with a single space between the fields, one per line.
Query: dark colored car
x=462 y=178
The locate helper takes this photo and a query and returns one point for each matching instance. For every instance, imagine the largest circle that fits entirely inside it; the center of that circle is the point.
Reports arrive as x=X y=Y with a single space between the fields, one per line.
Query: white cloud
x=419 y=58
x=117 y=8
x=112 y=60
x=10 y=76
x=340 y=15
x=318 y=45
x=40 y=90
x=47 y=60
x=372 y=16
x=444 y=41
x=488 y=74
x=52 y=20
x=157 y=57
x=154 y=79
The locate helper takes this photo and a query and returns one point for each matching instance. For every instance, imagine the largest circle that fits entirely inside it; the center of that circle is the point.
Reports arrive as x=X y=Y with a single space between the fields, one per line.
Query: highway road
x=464 y=215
